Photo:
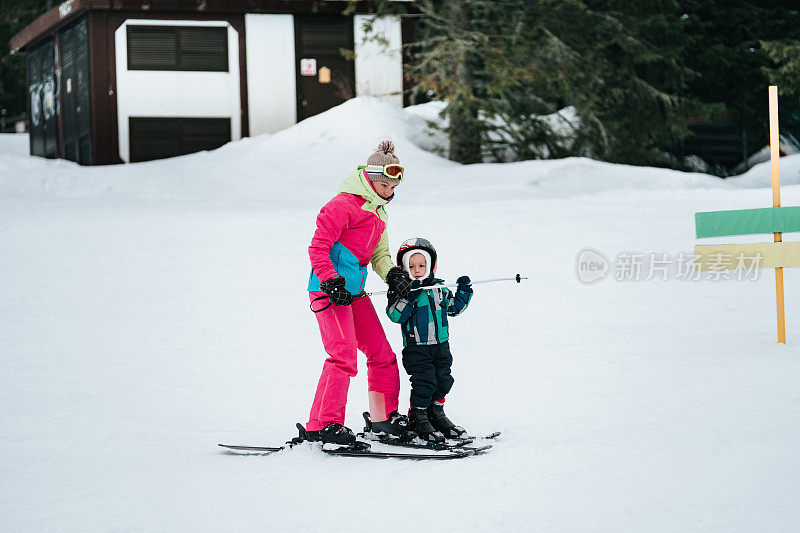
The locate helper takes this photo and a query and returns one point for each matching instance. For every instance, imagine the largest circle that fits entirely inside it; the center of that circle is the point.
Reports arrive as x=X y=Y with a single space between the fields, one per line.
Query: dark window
x=42 y=93
x=326 y=36
x=75 y=98
x=157 y=137
x=177 y=48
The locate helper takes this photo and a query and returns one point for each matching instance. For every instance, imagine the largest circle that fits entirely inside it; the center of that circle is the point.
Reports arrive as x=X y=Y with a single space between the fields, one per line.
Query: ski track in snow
x=150 y=311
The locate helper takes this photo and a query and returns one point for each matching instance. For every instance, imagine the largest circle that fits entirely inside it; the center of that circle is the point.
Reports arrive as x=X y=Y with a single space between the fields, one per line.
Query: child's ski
x=416 y=443
x=444 y=446
x=471 y=438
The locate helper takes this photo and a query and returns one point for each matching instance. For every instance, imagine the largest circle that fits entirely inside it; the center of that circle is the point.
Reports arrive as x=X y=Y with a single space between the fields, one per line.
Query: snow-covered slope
x=150 y=311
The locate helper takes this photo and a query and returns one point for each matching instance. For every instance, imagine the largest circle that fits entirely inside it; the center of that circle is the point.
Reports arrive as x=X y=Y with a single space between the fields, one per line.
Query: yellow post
x=774 y=152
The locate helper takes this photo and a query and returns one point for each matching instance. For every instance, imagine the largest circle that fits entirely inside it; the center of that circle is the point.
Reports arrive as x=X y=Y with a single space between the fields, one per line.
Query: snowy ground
x=150 y=311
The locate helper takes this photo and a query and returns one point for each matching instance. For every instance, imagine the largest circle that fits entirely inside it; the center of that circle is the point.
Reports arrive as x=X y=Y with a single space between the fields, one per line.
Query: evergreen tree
x=725 y=39
x=785 y=56
x=14 y=16
x=515 y=60
x=448 y=57
x=633 y=100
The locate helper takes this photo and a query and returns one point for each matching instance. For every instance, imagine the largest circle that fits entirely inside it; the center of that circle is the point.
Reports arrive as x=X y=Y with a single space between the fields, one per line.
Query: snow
x=433 y=139
x=14 y=143
x=150 y=311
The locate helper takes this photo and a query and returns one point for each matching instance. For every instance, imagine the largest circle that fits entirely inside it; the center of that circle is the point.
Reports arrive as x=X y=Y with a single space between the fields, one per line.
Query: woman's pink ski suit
x=350 y=234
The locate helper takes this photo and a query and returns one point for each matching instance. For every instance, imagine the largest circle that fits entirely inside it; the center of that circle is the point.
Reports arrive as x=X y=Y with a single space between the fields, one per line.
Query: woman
x=351 y=232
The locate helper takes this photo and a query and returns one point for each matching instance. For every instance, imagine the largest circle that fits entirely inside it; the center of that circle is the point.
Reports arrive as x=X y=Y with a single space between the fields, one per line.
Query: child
x=422 y=315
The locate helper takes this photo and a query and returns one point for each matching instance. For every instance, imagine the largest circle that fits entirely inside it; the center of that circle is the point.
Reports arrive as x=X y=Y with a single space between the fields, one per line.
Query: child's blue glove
x=464 y=284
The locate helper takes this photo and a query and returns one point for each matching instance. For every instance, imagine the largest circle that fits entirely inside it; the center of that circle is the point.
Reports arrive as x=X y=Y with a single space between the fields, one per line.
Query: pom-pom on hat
x=384 y=155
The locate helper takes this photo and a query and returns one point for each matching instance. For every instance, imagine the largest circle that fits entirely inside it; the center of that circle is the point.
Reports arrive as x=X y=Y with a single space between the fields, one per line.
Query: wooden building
x=115 y=81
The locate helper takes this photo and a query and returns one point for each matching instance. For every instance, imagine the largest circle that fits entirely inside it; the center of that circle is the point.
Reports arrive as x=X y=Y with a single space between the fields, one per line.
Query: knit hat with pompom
x=384 y=155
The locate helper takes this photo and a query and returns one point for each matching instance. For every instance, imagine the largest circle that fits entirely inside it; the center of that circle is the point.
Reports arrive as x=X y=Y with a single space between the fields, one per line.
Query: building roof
x=72 y=9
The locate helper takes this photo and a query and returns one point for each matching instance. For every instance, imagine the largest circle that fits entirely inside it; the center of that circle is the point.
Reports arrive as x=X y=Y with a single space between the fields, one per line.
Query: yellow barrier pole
x=774 y=153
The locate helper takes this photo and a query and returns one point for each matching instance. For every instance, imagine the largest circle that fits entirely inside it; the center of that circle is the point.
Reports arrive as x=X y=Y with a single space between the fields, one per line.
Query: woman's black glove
x=399 y=282
x=336 y=292
x=464 y=284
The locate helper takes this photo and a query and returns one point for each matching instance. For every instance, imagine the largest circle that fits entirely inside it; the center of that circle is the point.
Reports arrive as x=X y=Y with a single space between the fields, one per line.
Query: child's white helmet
x=417 y=243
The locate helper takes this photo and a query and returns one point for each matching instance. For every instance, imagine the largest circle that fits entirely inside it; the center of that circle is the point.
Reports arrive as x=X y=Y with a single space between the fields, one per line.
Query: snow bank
x=15 y=143
x=761 y=174
x=303 y=165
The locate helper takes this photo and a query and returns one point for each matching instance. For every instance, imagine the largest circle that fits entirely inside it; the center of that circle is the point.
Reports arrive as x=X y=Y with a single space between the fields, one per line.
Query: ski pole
x=518 y=278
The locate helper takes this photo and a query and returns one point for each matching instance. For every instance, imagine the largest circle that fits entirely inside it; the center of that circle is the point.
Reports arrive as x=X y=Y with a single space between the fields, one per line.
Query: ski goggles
x=392 y=170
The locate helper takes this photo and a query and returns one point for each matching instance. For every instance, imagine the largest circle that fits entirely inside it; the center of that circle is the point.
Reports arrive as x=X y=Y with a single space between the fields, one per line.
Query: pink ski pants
x=345 y=329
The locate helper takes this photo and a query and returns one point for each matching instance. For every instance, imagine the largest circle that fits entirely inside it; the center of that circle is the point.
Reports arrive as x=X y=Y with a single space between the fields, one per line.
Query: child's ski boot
x=333 y=433
x=440 y=421
x=396 y=426
x=418 y=418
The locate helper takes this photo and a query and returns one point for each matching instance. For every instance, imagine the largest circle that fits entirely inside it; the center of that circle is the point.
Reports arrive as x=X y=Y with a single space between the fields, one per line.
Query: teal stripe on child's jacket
x=424 y=321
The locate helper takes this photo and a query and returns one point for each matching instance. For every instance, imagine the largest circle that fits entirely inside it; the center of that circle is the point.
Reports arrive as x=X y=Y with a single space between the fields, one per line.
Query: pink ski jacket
x=351 y=233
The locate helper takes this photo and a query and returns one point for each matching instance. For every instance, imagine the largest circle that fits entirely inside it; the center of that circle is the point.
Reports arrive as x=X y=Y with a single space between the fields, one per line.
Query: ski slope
x=150 y=311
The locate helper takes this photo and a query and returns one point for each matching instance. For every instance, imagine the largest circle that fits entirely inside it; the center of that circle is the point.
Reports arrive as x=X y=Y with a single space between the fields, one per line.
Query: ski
x=359 y=451
x=387 y=455
x=363 y=449
x=255 y=449
x=416 y=443
x=478 y=449
x=450 y=444
x=444 y=446
x=471 y=438
x=356 y=451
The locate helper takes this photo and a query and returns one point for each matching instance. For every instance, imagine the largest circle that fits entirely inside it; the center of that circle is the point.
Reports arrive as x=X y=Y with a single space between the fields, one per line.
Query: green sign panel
x=747 y=221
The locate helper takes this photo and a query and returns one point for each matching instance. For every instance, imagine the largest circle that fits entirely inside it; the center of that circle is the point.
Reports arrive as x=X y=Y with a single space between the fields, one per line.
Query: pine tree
x=730 y=50
x=785 y=56
x=14 y=16
x=501 y=65
x=448 y=57
x=633 y=100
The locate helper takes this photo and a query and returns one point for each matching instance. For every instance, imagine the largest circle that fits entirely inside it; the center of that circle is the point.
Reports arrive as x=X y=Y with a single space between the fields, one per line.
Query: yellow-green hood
x=357 y=183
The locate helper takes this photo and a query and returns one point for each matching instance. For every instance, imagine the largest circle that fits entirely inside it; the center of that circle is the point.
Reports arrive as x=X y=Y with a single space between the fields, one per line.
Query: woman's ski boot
x=396 y=426
x=440 y=421
x=333 y=433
